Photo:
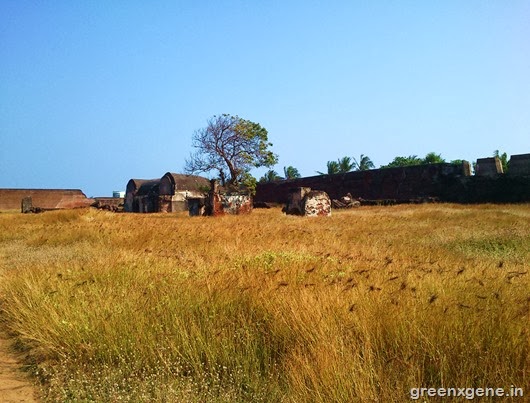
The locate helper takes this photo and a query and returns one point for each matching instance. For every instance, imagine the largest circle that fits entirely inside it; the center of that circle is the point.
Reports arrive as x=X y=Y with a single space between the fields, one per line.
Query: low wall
x=10 y=199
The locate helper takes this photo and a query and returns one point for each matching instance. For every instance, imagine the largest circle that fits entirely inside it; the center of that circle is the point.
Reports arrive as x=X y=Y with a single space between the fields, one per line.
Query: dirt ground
x=14 y=385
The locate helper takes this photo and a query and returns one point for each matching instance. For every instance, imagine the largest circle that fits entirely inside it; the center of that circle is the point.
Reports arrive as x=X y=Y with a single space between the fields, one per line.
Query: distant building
x=48 y=199
x=168 y=194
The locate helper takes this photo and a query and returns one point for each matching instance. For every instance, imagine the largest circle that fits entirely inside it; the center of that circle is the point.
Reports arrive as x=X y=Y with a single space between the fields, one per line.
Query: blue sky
x=95 y=93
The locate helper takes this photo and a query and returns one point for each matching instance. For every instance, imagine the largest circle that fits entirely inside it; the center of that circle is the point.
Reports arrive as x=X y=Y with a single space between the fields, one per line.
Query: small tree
x=291 y=172
x=404 y=162
x=231 y=146
x=433 y=158
x=364 y=163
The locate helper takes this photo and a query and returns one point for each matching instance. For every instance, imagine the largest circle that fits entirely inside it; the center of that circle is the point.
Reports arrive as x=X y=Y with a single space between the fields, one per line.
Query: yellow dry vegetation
x=359 y=306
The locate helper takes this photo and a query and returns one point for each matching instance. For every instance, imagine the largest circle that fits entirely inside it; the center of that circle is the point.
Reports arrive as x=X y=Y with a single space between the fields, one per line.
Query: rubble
x=306 y=202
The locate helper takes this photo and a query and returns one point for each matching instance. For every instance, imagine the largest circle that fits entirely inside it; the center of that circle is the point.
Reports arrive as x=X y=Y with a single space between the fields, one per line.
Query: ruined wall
x=221 y=202
x=519 y=165
x=403 y=183
x=306 y=202
x=10 y=199
x=488 y=167
x=109 y=203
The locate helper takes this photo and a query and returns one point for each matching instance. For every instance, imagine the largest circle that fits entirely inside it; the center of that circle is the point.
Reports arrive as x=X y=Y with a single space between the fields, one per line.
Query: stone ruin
x=306 y=202
x=488 y=167
x=220 y=202
x=345 y=202
x=519 y=165
x=26 y=206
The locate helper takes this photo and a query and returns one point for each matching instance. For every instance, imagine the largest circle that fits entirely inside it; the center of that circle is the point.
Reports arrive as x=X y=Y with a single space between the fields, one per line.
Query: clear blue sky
x=93 y=93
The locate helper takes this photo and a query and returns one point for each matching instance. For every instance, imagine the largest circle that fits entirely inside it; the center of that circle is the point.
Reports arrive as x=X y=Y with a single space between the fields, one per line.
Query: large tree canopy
x=231 y=146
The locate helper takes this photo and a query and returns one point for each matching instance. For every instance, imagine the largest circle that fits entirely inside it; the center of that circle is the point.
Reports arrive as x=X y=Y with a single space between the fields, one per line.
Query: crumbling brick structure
x=306 y=202
x=221 y=201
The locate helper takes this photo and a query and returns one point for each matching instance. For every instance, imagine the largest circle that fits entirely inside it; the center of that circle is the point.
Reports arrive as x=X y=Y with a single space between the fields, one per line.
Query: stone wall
x=10 y=199
x=519 y=165
x=488 y=166
x=403 y=183
x=445 y=182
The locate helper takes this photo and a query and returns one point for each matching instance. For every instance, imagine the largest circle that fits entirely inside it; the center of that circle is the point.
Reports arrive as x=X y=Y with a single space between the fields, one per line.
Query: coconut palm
x=345 y=164
x=363 y=164
x=270 y=176
x=333 y=168
x=291 y=172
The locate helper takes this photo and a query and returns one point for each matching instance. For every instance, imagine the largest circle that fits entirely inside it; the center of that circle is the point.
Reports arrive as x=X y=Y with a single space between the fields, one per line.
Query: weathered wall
x=306 y=202
x=519 y=165
x=377 y=184
x=488 y=166
x=10 y=199
x=486 y=189
x=221 y=202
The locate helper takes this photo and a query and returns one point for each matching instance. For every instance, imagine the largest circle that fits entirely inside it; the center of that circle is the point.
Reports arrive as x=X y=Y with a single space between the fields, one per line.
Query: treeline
x=348 y=164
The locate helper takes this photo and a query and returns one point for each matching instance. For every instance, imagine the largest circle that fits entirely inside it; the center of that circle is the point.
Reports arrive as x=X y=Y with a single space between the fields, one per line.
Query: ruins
x=222 y=201
x=167 y=194
x=451 y=182
x=306 y=202
x=488 y=167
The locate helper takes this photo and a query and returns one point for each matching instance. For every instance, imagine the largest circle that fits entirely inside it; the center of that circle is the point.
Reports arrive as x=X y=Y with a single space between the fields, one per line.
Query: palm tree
x=291 y=172
x=345 y=164
x=270 y=176
x=364 y=163
x=333 y=168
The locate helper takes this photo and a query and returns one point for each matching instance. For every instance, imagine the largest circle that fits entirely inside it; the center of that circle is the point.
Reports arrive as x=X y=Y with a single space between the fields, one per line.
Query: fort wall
x=10 y=199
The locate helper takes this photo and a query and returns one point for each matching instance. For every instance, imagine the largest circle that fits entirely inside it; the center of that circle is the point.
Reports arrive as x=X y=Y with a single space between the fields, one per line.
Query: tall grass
x=361 y=306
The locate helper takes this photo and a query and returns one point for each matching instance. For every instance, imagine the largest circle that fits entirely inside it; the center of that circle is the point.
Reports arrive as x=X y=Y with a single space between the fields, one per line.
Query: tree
x=270 y=176
x=504 y=159
x=364 y=163
x=333 y=168
x=232 y=146
x=345 y=164
x=433 y=158
x=291 y=172
x=341 y=166
x=404 y=162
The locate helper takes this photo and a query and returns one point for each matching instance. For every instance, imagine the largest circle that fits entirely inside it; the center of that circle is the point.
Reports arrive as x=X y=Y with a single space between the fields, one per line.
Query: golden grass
x=360 y=306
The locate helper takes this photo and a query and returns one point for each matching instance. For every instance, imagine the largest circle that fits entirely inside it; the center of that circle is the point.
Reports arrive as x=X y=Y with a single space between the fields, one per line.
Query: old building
x=167 y=194
x=176 y=189
x=136 y=194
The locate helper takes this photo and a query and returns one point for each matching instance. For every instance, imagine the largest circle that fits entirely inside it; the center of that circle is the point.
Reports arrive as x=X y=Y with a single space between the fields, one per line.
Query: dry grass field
x=360 y=306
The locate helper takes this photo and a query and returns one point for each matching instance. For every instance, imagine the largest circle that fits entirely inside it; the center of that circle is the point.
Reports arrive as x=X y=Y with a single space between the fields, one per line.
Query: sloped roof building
x=167 y=194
